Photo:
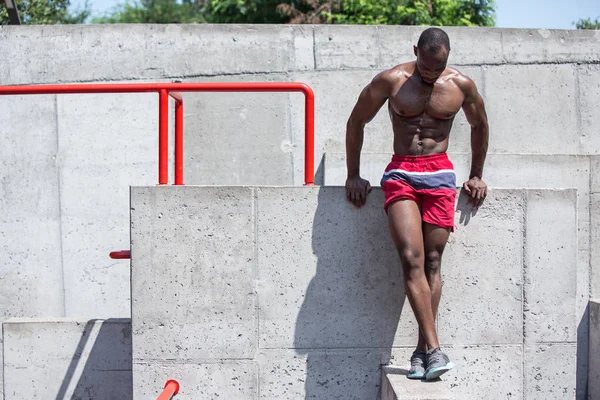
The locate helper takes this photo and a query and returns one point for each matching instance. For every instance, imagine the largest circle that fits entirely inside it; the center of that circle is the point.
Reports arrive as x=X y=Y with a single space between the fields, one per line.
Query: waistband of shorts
x=421 y=158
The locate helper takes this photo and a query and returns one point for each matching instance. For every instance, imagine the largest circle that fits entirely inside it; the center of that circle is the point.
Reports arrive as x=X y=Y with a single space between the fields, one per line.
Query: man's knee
x=433 y=263
x=412 y=261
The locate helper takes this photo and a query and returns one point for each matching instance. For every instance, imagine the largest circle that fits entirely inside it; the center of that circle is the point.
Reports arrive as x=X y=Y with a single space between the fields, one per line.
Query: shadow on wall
x=582 y=355
x=101 y=366
x=348 y=320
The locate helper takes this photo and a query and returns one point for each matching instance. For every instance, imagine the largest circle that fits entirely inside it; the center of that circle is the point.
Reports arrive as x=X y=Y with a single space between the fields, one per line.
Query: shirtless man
x=419 y=184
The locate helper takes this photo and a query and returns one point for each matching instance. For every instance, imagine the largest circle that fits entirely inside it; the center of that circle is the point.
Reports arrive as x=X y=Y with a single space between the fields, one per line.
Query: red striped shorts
x=427 y=180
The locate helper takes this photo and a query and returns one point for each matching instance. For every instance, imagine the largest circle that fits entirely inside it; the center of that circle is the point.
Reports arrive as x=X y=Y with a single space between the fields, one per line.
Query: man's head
x=432 y=54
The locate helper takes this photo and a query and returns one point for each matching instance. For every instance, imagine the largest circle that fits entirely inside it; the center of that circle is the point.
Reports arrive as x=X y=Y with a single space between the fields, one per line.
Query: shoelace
x=417 y=360
x=437 y=357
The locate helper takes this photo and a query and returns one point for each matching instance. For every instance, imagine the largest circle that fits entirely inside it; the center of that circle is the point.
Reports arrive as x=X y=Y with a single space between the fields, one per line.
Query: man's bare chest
x=438 y=101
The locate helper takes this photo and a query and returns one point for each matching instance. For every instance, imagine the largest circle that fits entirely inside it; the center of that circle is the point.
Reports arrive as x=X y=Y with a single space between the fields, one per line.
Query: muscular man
x=419 y=184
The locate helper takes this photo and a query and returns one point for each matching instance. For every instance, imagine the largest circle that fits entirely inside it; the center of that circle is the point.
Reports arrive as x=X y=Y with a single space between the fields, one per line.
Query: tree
x=243 y=12
x=588 y=23
x=415 y=12
x=41 y=12
x=401 y=12
x=155 y=12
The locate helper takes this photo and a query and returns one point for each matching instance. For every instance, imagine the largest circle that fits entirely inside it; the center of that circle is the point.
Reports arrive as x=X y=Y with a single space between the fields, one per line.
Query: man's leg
x=434 y=242
x=405 y=223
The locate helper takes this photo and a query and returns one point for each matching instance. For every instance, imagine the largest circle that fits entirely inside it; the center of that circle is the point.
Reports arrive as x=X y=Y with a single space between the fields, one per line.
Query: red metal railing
x=171 y=389
x=174 y=90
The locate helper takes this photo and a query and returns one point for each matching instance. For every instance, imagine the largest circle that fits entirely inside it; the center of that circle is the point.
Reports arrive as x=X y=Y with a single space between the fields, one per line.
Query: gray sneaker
x=438 y=364
x=417 y=365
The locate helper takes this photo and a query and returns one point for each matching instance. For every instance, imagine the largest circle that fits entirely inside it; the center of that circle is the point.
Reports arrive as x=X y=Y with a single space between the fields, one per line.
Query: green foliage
x=154 y=12
x=243 y=12
x=415 y=12
x=43 y=12
x=588 y=24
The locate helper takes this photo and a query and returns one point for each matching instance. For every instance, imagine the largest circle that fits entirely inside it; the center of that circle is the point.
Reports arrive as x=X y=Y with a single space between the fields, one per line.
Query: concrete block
x=143 y=52
x=31 y=268
x=30 y=240
x=595 y=174
x=467 y=49
x=95 y=284
x=481 y=372
x=95 y=221
x=105 y=130
x=550 y=371
x=65 y=358
x=594 y=250
x=228 y=379
x=550 y=267
x=28 y=145
x=589 y=94
x=304 y=47
x=550 y=127
x=476 y=269
x=345 y=47
x=316 y=288
x=395 y=44
x=193 y=248
x=549 y=46
x=319 y=374
x=365 y=47
x=594 y=351
x=239 y=138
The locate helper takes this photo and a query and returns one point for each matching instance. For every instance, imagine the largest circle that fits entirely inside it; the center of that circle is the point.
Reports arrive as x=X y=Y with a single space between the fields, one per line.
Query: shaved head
x=433 y=40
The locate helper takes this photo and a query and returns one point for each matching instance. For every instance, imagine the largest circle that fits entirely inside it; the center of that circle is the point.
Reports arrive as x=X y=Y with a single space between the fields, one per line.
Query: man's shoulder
x=461 y=80
x=395 y=75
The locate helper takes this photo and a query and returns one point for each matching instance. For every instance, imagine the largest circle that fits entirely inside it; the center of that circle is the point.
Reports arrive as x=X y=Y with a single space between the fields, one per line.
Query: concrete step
x=396 y=386
x=63 y=358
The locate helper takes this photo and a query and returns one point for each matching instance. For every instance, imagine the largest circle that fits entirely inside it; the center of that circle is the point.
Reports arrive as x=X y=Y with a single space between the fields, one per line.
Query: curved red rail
x=166 y=89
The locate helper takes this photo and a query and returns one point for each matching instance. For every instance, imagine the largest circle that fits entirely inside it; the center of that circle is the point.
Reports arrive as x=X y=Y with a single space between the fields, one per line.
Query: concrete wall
x=540 y=87
x=67 y=359
x=67 y=161
x=297 y=294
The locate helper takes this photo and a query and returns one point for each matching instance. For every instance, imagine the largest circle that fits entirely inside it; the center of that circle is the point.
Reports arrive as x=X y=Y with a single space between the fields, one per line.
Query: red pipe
x=120 y=255
x=309 y=137
x=163 y=137
x=164 y=88
x=170 y=390
x=178 y=138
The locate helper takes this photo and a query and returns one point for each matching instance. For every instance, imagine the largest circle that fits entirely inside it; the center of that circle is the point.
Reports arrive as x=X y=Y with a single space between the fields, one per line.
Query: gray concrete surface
x=67 y=359
x=542 y=82
x=301 y=304
x=594 y=351
x=70 y=190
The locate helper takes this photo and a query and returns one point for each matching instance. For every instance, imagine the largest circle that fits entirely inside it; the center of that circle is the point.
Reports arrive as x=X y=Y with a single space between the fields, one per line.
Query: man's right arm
x=370 y=101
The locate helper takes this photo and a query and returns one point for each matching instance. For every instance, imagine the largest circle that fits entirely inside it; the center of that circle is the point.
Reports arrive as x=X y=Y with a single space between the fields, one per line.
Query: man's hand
x=476 y=189
x=357 y=190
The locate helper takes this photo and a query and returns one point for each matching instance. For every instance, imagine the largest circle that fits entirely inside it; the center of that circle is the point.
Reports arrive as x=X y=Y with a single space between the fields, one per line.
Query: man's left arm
x=474 y=110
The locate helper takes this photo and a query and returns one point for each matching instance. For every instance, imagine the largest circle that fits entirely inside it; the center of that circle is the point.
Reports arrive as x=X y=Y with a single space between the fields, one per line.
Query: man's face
x=431 y=65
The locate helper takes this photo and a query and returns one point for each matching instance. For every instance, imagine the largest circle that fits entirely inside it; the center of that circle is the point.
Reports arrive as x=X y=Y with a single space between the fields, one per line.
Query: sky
x=550 y=14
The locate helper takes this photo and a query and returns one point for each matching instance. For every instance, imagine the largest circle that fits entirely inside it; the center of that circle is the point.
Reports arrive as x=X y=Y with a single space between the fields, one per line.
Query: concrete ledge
x=481 y=372
x=169 y=51
x=313 y=296
x=594 y=351
x=396 y=386
x=67 y=359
